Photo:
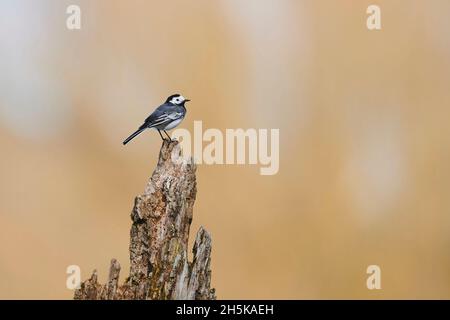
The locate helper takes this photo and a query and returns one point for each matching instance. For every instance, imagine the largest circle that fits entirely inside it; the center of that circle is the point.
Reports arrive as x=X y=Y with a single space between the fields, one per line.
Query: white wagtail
x=167 y=116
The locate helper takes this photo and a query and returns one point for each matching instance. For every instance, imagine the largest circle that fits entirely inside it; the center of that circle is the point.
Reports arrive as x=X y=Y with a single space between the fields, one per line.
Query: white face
x=177 y=100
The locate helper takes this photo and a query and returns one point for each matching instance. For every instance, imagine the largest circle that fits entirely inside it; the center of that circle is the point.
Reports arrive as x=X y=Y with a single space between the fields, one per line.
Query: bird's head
x=177 y=99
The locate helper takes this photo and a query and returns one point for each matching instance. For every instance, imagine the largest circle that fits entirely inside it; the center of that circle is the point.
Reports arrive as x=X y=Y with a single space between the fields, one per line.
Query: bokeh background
x=364 y=140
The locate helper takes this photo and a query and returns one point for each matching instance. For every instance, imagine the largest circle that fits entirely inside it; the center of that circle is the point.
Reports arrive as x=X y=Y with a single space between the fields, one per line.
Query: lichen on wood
x=161 y=219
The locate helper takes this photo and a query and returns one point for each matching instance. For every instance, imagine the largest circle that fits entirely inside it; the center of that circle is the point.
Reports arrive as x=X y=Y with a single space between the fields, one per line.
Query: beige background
x=364 y=140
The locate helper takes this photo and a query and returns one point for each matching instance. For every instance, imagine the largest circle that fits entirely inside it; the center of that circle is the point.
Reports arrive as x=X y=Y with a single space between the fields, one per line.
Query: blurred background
x=364 y=140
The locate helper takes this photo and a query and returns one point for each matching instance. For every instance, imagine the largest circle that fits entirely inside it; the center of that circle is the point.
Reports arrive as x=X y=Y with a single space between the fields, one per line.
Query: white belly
x=173 y=124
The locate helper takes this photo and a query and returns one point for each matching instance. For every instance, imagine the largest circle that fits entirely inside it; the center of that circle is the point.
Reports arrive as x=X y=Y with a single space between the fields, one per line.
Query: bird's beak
x=187 y=100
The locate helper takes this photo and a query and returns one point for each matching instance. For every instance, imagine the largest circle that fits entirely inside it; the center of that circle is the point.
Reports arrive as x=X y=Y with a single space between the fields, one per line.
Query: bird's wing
x=162 y=115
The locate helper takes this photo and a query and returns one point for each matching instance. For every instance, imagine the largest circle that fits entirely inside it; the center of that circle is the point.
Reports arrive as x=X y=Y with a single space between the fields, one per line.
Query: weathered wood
x=161 y=219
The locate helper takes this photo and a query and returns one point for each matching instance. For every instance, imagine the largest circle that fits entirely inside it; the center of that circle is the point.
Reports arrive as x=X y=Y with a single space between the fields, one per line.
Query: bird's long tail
x=138 y=131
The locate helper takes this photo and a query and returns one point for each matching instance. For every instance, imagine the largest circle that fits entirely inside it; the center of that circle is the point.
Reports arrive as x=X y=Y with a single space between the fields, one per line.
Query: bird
x=167 y=116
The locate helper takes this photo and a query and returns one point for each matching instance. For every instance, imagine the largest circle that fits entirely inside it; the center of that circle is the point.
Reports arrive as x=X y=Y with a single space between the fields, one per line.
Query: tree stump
x=161 y=218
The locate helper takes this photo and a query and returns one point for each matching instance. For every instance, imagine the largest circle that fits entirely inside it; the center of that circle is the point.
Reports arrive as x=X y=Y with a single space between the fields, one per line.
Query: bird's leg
x=170 y=139
x=159 y=131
